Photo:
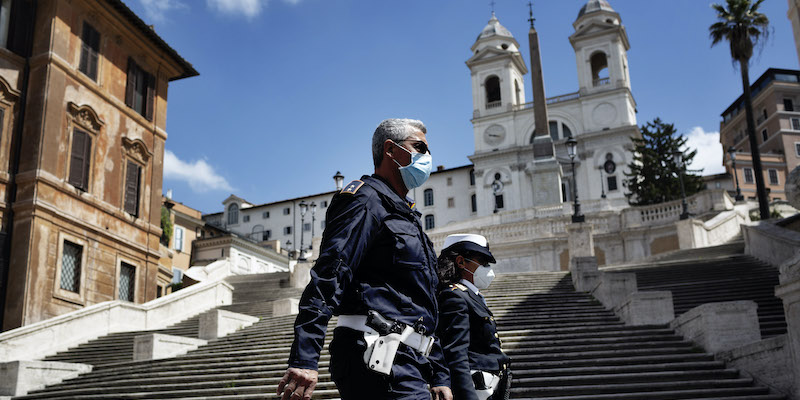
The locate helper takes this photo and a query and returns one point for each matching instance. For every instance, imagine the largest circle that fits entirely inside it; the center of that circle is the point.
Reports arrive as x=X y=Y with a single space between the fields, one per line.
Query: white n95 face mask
x=483 y=276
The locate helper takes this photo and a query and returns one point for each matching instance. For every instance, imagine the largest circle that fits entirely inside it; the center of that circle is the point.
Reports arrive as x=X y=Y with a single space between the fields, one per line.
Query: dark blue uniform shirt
x=469 y=338
x=374 y=256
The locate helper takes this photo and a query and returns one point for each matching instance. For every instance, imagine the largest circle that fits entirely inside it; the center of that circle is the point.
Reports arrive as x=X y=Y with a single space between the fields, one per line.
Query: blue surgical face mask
x=416 y=173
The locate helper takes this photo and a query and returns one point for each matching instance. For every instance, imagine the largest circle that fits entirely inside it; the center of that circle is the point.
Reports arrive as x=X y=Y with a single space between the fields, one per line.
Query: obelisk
x=545 y=169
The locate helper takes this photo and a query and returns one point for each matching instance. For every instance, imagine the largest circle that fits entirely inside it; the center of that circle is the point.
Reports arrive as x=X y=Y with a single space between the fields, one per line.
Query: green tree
x=166 y=226
x=653 y=176
x=742 y=26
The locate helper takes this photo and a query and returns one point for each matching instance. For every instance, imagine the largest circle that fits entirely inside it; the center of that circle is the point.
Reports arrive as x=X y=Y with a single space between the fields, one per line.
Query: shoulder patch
x=460 y=286
x=352 y=187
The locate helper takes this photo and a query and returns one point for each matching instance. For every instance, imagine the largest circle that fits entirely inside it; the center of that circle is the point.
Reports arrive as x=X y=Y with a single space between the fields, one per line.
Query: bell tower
x=497 y=71
x=601 y=46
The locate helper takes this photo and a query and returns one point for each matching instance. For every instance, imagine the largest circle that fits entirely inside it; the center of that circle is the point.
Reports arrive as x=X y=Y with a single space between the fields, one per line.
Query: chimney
x=439 y=168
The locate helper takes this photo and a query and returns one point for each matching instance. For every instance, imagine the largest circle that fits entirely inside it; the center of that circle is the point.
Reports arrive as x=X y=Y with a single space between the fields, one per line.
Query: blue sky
x=290 y=91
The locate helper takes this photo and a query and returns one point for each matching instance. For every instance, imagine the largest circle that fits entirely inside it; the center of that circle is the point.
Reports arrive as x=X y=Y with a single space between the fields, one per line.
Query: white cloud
x=156 y=10
x=709 y=151
x=200 y=176
x=247 y=8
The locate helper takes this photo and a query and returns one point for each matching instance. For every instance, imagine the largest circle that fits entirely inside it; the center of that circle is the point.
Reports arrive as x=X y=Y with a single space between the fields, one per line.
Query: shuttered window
x=132 y=180
x=127 y=281
x=140 y=90
x=71 y=257
x=80 y=159
x=90 y=49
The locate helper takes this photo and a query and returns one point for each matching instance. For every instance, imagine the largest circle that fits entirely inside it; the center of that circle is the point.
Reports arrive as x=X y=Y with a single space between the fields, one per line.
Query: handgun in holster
x=380 y=354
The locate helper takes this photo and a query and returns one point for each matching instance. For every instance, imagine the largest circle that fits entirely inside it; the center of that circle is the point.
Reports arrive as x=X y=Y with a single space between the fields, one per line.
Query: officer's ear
x=459 y=261
x=388 y=148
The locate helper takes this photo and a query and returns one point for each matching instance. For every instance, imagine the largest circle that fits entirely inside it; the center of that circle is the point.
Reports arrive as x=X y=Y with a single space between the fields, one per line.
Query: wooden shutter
x=94 y=50
x=132 y=179
x=87 y=160
x=151 y=94
x=131 y=87
x=77 y=158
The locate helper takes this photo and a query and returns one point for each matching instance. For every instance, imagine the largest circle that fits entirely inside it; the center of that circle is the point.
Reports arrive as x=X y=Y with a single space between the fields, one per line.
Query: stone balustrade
x=39 y=339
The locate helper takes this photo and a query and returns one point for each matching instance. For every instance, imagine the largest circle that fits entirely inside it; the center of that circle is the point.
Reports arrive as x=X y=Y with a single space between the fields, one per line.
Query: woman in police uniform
x=466 y=329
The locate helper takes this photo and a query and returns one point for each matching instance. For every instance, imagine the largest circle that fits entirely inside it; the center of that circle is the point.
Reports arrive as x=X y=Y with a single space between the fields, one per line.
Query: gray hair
x=396 y=130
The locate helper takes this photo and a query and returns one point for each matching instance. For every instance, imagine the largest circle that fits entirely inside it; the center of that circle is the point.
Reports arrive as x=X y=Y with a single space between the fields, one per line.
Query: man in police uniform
x=468 y=333
x=374 y=260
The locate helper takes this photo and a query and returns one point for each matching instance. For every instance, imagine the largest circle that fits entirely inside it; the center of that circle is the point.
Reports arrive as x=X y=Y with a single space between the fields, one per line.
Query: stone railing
x=43 y=338
x=770 y=243
x=551 y=221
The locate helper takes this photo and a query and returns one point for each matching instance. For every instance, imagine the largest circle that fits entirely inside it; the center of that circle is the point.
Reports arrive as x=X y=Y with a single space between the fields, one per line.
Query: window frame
x=770 y=172
x=287 y=211
x=748 y=171
x=790 y=101
x=245 y=218
x=426 y=201
x=136 y=276
x=135 y=76
x=474 y=203
x=88 y=161
x=451 y=202
x=128 y=163
x=501 y=203
x=229 y=215
x=764 y=135
x=89 y=52
x=797 y=148
x=609 y=179
x=175 y=241
x=265 y=215
x=794 y=124
x=64 y=294
x=287 y=230
x=430 y=221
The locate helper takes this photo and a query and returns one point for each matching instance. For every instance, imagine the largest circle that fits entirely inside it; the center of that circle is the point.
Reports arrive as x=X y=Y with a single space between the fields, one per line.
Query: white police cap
x=469 y=242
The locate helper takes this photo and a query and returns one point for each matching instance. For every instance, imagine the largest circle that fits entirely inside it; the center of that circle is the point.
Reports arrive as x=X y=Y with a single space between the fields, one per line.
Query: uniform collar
x=382 y=186
x=470 y=285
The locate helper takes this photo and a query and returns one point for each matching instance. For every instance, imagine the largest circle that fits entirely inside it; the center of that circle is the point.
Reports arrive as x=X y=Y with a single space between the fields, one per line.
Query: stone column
x=789 y=292
x=582 y=262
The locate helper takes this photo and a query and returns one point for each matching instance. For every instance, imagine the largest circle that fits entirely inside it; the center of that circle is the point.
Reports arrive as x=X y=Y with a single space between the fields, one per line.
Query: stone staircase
x=252 y=295
x=564 y=345
x=722 y=274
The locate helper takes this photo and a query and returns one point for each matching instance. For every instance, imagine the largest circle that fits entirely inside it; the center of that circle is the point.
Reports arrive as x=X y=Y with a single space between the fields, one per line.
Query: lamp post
x=313 y=221
x=677 y=157
x=732 y=153
x=303 y=209
x=572 y=147
x=339 y=179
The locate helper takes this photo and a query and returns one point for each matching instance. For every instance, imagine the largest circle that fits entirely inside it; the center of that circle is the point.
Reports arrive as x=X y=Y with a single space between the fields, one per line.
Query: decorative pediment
x=7 y=92
x=85 y=116
x=136 y=149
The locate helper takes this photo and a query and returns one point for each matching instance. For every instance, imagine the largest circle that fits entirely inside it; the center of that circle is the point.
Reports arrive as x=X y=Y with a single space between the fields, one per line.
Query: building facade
x=84 y=114
x=776 y=108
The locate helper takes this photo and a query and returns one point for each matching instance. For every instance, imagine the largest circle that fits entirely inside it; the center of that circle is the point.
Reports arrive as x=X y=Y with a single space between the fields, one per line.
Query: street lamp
x=339 y=179
x=677 y=157
x=732 y=153
x=313 y=222
x=572 y=147
x=303 y=209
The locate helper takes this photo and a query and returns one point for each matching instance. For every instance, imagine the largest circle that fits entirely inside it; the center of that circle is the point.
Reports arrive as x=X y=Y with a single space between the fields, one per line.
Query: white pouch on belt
x=379 y=356
x=490 y=380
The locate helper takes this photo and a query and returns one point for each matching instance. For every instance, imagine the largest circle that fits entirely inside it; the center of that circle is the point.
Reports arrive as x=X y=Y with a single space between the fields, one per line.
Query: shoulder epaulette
x=460 y=286
x=352 y=187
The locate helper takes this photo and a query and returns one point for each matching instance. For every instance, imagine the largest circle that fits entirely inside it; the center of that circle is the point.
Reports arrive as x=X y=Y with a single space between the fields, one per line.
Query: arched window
x=430 y=223
x=565 y=132
x=492 y=85
x=599 y=63
x=428 y=197
x=558 y=130
x=518 y=92
x=233 y=214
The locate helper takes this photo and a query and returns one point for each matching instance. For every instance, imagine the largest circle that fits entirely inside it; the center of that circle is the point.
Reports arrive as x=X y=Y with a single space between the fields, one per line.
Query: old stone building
x=776 y=108
x=84 y=100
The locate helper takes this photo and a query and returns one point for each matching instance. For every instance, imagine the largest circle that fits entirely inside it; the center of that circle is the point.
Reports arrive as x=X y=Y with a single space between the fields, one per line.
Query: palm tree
x=743 y=26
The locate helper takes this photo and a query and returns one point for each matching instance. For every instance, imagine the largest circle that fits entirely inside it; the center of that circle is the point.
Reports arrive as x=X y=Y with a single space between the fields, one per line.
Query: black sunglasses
x=418 y=145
